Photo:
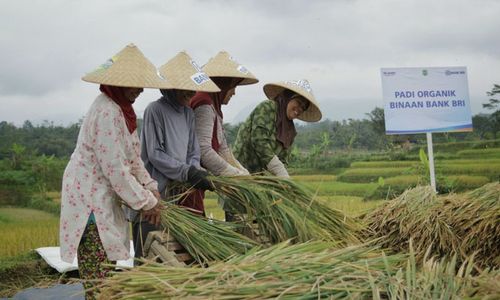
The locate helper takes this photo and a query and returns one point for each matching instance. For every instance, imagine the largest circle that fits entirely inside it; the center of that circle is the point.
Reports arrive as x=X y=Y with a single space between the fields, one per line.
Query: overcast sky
x=339 y=46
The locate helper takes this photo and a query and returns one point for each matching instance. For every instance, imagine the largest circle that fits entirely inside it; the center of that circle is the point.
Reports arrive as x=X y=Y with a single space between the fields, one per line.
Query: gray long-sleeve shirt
x=168 y=144
x=168 y=141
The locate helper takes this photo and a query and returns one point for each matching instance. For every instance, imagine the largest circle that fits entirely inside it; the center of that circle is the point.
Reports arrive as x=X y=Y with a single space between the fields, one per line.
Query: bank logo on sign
x=424 y=72
x=448 y=72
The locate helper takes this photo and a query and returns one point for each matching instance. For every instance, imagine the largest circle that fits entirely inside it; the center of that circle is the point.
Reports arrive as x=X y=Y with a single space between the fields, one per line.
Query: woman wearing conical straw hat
x=170 y=149
x=105 y=167
x=215 y=153
x=264 y=140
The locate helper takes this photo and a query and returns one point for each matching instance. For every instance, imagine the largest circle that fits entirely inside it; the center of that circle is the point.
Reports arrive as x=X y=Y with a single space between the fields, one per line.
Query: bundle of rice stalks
x=442 y=279
x=300 y=271
x=454 y=224
x=206 y=240
x=284 y=210
x=475 y=218
x=313 y=270
x=417 y=215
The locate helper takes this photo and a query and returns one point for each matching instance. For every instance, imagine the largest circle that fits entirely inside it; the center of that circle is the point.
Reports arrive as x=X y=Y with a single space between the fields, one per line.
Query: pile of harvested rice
x=461 y=224
x=310 y=270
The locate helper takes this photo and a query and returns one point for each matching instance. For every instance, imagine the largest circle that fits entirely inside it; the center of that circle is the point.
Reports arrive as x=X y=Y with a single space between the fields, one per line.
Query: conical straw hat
x=224 y=65
x=128 y=68
x=301 y=87
x=184 y=74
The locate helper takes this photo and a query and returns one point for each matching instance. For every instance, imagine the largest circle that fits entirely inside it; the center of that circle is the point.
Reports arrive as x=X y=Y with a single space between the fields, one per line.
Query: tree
x=483 y=126
x=17 y=156
x=378 y=120
x=494 y=104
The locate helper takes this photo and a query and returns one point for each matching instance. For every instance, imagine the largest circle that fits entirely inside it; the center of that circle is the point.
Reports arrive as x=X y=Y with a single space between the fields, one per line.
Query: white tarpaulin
x=419 y=100
x=53 y=258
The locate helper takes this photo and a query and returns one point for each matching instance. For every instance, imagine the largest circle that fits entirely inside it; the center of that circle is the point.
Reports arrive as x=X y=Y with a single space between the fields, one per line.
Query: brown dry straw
x=461 y=224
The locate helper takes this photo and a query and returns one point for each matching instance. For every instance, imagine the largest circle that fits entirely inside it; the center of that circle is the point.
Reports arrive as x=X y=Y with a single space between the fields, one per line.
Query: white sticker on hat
x=242 y=69
x=108 y=63
x=159 y=75
x=304 y=84
x=200 y=78
x=196 y=67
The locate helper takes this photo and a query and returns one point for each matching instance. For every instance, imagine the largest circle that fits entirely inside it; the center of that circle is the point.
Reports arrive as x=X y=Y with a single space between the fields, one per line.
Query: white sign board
x=419 y=100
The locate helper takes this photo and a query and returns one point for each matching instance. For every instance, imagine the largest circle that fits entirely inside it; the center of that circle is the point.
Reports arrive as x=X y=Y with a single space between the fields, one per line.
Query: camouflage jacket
x=256 y=142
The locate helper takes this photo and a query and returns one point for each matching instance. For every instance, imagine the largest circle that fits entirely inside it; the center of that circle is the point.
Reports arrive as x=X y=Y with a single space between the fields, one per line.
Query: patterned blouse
x=104 y=169
x=256 y=142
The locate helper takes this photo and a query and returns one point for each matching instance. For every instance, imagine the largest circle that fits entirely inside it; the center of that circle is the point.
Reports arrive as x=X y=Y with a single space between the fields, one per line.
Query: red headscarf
x=215 y=99
x=225 y=84
x=118 y=96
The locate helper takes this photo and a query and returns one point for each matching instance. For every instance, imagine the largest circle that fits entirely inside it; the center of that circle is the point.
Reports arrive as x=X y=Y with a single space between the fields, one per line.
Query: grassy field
x=23 y=229
x=352 y=206
x=337 y=188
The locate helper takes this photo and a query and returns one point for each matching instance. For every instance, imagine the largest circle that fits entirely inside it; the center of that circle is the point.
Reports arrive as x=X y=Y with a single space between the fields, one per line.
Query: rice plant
x=22 y=230
x=284 y=210
x=206 y=240
x=313 y=270
x=301 y=271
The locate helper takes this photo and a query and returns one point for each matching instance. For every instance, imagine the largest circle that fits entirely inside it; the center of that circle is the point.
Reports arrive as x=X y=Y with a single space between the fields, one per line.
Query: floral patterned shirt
x=256 y=142
x=104 y=169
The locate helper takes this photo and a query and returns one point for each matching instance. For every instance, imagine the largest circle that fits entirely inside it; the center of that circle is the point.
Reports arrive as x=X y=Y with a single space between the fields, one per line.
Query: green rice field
x=24 y=229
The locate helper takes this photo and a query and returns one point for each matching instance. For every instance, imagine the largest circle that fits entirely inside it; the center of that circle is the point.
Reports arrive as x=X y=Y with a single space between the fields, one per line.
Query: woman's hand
x=244 y=172
x=157 y=195
x=277 y=168
x=153 y=215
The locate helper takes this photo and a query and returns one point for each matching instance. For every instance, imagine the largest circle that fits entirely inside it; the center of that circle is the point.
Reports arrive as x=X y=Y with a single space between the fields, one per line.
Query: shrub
x=45 y=203
x=16 y=187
